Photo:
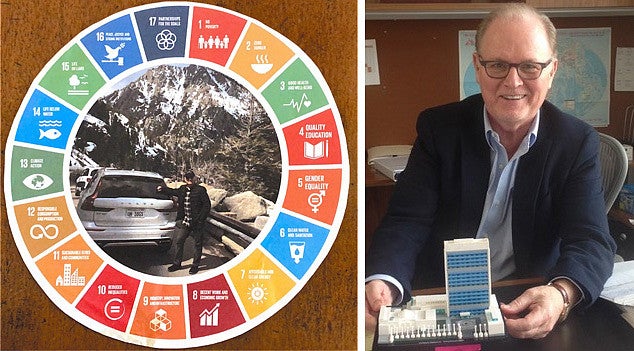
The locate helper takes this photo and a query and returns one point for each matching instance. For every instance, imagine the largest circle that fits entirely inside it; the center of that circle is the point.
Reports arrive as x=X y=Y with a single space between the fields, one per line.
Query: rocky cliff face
x=172 y=118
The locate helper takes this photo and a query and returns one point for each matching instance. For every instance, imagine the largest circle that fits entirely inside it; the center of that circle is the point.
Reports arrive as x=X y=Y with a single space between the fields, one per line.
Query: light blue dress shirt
x=497 y=218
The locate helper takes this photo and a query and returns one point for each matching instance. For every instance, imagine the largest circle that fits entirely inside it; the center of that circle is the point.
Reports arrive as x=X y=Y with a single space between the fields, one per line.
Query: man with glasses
x=509 y=166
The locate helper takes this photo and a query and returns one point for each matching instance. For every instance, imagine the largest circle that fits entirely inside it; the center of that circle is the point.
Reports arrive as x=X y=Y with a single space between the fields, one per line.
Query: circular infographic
x=103 y=137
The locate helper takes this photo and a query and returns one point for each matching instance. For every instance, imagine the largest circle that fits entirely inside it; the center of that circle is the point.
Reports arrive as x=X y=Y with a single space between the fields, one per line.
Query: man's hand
x=377 y=293
x=534 y=313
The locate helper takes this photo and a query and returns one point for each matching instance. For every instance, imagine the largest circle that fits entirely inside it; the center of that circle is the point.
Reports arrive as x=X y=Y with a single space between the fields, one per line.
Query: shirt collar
x=529 y=139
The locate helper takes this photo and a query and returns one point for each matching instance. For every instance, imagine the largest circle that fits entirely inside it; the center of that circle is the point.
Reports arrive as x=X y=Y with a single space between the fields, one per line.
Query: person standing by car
x=193 y=209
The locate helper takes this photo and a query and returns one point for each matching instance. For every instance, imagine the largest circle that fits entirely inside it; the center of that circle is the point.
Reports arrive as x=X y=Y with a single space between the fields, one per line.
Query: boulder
x=260 y=222
x=270 y=206
x=247 y=205
x=215 y=195
x=174 y=184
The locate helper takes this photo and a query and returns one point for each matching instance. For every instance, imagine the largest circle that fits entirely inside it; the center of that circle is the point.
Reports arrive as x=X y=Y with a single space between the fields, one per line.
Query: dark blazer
x=559 y=223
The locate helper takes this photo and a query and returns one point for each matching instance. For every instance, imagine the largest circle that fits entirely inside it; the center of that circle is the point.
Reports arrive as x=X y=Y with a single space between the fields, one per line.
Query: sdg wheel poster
x=125 y=109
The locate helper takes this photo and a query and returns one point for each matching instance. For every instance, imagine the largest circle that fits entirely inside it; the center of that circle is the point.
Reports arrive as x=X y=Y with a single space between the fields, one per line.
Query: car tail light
x=89 y=203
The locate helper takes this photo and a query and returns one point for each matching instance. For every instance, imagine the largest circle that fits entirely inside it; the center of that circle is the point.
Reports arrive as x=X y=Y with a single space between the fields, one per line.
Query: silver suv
x=122 y=207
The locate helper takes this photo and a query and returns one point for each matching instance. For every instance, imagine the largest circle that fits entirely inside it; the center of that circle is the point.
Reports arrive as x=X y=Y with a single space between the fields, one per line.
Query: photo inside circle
x=145 y=133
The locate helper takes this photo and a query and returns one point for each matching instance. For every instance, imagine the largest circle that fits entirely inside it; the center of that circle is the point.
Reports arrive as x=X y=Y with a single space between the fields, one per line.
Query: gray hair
x=518 y=10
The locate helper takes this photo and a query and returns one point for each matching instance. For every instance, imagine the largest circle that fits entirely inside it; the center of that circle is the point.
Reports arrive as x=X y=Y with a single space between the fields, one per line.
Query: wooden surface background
x=323 y=314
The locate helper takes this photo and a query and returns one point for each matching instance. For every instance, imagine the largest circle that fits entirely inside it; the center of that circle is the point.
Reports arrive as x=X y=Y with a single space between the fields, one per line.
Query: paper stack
x=619 y=288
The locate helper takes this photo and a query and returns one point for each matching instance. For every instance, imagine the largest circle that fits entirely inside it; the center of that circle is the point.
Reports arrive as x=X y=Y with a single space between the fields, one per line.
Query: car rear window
x=130 y=186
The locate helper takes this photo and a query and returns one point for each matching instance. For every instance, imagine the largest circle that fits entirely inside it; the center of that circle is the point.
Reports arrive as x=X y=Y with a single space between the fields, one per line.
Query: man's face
x=512 y=100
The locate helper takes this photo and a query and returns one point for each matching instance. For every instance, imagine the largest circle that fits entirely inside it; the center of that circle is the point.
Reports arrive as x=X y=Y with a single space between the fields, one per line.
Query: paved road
x=151 y=260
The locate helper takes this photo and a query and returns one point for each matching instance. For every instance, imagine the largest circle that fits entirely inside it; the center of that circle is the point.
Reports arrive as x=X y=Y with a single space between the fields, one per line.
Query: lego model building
x=468 y=310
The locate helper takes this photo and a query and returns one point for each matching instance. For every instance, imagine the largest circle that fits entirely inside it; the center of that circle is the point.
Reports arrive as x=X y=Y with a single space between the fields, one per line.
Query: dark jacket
x=199 y=203
x=559 y=223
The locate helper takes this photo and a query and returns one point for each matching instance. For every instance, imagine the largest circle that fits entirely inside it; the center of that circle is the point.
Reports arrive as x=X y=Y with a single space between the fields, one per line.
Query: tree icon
x=74 y=81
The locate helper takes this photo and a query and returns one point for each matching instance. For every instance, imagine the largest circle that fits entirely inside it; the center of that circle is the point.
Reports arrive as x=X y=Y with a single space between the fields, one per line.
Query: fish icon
x=51 y=134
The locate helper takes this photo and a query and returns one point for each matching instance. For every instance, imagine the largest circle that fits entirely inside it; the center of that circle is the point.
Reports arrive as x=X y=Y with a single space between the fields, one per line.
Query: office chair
x=614 y=166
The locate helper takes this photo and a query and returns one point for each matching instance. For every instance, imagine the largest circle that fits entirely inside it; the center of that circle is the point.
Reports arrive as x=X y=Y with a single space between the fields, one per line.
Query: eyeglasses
x=526 y=70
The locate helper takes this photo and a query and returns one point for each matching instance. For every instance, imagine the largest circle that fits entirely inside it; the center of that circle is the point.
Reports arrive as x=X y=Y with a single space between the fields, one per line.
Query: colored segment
x=45 y=121
x=295 y=93
x=259 y=283
x=114 y=46
x=35 y=173
x=314 y=193
x=314 y=140
x=44 y=223
x=69 y=267
x=110 y=299
x=295 y=243
x=260 y=55
x=73 y=78
x=214 y=35
x=160 y=312
x=163 y=31
x=212 y=307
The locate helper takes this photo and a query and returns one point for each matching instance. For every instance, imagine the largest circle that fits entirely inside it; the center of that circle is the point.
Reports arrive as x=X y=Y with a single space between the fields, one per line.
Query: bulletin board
x=18 y=330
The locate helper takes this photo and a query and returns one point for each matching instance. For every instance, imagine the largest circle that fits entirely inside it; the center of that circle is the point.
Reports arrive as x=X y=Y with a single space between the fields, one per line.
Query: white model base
x=424 y=319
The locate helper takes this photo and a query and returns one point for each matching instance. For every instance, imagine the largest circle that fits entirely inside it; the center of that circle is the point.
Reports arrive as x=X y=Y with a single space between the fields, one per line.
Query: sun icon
x=257 y=293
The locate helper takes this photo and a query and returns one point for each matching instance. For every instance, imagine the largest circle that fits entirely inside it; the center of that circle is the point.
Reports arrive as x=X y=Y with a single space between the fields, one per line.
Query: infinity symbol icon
x=38 y=231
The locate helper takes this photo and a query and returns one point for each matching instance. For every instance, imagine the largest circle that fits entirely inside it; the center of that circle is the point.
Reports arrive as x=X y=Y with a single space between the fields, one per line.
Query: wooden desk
x=600 y=327
x=378 y=191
